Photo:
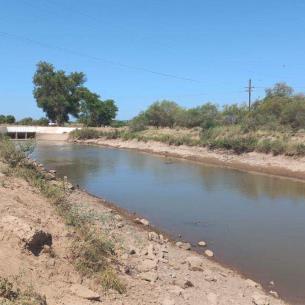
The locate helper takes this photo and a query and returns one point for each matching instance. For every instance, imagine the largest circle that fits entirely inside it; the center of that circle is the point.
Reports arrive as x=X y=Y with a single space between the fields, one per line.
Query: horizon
x=138 y=53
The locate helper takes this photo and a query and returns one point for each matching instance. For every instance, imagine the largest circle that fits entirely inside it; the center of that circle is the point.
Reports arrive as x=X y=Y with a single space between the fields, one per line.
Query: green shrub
x=84 y=134
x=264 y=146
x=15 y=153
x=278 y=147
x=11 y=296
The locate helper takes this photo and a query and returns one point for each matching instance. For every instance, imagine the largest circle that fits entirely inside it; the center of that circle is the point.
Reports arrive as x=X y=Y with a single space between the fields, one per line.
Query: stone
x=144 y=222
x=32 y=239
x=259 y=299
x=184 y=284
x=132 y=251
x=149 y=276
x=118 y=217
x=185 y=246
x=147 y=265
x=153 y=236
x=84 y=292
x=274 y=293
x=195 y=263
x=52 y=171
x=202 y=243
x=209 y=253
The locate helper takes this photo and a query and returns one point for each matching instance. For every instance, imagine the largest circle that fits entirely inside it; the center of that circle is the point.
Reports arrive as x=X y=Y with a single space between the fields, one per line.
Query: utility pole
x=249 y=90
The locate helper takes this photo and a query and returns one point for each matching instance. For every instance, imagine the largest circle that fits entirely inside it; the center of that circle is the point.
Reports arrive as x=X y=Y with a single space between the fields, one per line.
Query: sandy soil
x=256 y=162
x=155 y=270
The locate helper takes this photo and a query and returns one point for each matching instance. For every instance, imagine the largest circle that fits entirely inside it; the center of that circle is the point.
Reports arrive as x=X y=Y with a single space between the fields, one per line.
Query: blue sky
x=218 y=44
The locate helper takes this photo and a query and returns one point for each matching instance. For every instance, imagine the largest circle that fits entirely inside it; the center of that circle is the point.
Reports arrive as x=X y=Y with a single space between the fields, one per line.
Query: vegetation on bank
x=274 y=124
x=10 y=295
x=92 y=253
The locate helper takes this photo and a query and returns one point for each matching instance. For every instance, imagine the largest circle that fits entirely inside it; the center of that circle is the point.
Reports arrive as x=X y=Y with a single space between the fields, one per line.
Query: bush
x=11 y=296
x=278 y=147
x=84 y=134
x=15 y=153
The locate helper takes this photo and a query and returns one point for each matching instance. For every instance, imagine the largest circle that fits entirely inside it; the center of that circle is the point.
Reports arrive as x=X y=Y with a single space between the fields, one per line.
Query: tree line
x=281 y=108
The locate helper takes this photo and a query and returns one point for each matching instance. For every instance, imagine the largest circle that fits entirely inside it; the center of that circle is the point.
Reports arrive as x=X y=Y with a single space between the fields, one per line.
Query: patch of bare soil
x=35 y=251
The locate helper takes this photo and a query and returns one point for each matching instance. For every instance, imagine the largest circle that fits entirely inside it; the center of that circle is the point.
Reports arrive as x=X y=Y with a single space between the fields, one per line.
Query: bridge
x=39 y=132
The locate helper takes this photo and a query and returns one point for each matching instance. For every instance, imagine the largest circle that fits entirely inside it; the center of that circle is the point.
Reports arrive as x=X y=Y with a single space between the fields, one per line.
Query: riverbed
x=253 y=223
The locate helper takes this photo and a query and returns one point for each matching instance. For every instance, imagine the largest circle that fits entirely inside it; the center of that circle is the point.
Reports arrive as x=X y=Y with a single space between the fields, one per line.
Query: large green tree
x=58 y=93
x=95 y=112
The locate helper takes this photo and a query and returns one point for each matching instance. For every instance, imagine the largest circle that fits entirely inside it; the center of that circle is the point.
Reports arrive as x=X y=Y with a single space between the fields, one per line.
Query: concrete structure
x=39 y=132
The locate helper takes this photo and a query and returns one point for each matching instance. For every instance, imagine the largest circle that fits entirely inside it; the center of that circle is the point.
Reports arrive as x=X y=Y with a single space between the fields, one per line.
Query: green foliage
x=162 y=114
x=7 y=119
x=57 y=93
x=84 y=133
x=31 y=122
x=15 y=153
x=11 y=296
x=94 y=112
x=119 y=123
x=138 y=123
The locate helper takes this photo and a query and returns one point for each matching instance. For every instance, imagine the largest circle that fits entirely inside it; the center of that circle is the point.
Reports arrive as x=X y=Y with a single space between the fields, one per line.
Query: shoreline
x=278 y=166
x=168 y=273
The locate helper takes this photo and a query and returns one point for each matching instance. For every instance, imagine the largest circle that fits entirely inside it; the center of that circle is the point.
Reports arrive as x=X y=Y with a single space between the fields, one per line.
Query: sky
x=137 y=52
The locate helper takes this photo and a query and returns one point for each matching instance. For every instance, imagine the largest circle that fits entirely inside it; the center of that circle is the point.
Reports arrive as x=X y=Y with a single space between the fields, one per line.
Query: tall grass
x=232 y=138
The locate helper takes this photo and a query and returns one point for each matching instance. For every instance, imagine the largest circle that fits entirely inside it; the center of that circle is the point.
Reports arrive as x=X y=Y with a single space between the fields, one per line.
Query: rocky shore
x=35 y=250
x=282 y=166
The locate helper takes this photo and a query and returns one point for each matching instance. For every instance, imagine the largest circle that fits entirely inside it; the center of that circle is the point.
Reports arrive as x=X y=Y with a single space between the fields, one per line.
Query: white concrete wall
x=40 y=129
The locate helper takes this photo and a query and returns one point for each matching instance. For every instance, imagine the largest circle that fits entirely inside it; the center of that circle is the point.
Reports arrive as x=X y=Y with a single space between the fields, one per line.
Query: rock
x=184 y=284
x=118 y=217
x=271 y=283
x=251 y=283
x=212 y=298
x=144 y=222
x=168 y=301
x=120 y=225
x=52 y=171
x=32 y=239
x=195 y=263
x=202 y=243
x=153 y=236
x=149 y=276
x=84 y=292
x=185 y=246
x=147 y=265
x=259 y=299
x=209 y=253
x=274 y=293
x=132 y=251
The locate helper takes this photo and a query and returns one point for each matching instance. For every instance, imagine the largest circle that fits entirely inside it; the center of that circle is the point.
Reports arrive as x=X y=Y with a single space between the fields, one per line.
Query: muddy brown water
x=253 y=223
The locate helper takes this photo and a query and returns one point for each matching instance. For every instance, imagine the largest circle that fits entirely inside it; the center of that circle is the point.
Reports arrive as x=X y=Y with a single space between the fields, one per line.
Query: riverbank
x=152 y=269
x=280 y=165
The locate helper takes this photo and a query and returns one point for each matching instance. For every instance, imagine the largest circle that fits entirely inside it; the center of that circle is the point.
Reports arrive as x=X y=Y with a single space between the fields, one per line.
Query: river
x=253 y=223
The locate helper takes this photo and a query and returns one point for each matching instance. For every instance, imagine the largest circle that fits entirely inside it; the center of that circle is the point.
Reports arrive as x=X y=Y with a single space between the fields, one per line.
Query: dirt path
x=254 y=162
x=154 y=270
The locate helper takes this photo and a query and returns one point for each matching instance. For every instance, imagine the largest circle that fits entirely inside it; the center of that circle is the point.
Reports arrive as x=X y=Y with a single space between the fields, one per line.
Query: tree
x=162 y=114
x=279 y=89
x=95 y=112
x=8 y=119
x=57 y=93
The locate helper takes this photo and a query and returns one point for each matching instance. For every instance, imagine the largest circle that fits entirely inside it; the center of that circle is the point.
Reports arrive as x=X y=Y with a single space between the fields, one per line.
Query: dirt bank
x=154 y=270
x=283 y=166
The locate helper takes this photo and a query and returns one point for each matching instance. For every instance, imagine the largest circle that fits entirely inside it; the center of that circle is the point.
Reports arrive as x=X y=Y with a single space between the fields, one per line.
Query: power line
x=104 y=60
